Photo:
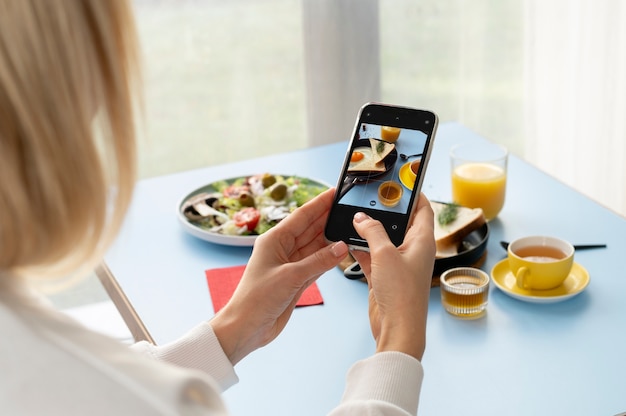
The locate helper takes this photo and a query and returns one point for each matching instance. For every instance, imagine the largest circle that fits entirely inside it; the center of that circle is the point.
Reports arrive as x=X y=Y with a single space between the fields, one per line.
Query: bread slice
x=380 y=149
x=448 y=237
x=366 y=164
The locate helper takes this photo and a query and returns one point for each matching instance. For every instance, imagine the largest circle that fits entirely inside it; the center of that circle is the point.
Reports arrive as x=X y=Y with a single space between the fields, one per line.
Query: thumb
x=323 y=259
x=371 y=230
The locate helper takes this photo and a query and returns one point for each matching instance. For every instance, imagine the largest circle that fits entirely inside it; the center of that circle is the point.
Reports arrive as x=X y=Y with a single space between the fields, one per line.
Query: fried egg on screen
x=361 y=156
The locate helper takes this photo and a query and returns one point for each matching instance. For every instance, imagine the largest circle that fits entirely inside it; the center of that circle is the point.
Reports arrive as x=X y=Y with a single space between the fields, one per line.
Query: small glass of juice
x=464 y=292
x=390 y=193
x=479 y=177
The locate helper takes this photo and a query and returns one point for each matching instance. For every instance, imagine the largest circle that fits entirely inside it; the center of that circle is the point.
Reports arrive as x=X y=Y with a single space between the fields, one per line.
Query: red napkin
x=223 y=282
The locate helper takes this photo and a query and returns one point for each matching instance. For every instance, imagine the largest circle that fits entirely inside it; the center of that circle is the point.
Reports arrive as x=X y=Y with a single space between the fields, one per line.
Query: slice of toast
x=366 y=165
x=380 y=149
x=448 y=237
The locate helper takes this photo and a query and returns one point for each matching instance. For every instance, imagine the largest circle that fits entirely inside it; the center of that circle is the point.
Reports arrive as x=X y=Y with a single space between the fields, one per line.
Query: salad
x=249 y=205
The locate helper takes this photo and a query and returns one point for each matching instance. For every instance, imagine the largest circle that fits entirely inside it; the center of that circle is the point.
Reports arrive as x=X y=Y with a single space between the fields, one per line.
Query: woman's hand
x=284 y=262
x=399 y=280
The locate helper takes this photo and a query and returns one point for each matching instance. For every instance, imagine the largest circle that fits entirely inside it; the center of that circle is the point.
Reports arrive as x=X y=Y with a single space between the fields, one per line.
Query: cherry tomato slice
x=234 y=191
x=248 y=217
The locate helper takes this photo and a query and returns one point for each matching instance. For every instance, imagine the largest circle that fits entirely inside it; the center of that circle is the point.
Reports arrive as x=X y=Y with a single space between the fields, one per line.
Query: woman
x=68 y=84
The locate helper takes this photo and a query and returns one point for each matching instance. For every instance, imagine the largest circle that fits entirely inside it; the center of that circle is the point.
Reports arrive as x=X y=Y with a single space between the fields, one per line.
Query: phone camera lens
x=427 y=121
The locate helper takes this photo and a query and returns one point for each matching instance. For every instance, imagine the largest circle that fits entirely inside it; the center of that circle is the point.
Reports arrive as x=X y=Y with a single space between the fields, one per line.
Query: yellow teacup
x=540 y=262
x=414 y=167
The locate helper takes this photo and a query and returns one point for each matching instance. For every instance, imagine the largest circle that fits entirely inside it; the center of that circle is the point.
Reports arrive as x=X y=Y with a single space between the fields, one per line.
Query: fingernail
x=360 y=217
x=339 y=249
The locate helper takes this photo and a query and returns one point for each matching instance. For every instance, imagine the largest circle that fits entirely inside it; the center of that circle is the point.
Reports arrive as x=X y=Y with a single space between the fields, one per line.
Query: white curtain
x=576 y=104
x=341 y=64
x=233 y=80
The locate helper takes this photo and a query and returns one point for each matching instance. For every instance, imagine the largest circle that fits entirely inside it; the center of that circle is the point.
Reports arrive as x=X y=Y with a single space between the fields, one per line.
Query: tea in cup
x=414 y=167
x=540 y=262
x=464 y=291
x=479 y=177
x=390 y=193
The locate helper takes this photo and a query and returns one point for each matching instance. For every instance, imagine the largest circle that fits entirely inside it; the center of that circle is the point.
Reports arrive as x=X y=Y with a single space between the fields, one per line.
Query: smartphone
x=383 y=171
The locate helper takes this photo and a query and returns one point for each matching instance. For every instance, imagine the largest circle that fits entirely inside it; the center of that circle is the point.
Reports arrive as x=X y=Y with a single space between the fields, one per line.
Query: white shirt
x=50 y=365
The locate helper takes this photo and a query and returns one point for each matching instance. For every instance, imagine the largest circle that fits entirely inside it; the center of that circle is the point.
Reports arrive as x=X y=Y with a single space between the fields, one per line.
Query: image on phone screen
x=382 y=171
x=384 y=162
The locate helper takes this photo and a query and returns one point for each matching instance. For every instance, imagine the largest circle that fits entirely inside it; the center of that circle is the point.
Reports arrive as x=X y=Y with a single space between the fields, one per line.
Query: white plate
x=575 y=283
x=213 y=237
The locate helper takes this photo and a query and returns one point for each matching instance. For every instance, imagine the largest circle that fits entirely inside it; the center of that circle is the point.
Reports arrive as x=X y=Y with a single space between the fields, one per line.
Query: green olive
x=268 y=180
x=279 y=192
x=246 y=199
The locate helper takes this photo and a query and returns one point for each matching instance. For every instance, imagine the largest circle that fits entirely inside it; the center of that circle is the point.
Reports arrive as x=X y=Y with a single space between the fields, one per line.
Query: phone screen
x=383 y=171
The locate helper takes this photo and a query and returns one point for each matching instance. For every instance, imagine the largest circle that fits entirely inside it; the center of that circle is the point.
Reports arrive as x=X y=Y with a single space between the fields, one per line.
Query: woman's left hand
x=284 y=262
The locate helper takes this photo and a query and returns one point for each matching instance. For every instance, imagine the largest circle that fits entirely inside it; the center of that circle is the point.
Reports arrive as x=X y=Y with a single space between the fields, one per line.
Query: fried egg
x=361 y=156
x=365 y=162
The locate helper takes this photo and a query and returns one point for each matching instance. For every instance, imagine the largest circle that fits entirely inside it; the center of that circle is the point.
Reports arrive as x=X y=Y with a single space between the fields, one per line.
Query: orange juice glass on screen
x=389 y=134
x=479 y=177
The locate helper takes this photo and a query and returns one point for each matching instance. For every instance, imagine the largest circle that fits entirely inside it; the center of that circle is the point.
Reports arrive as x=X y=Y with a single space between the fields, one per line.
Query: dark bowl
x=471 y=251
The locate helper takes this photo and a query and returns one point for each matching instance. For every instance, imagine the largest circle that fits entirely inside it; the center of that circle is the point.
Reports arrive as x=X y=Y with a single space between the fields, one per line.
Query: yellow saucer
x=405 y=176
x=575 y=283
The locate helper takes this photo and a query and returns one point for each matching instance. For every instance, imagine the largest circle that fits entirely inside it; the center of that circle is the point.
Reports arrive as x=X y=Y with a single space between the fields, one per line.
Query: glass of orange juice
x=479 y=176
x=389 y=134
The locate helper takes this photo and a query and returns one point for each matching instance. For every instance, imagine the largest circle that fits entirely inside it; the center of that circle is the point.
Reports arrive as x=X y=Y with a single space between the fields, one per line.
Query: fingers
x=422 y=226
x=322 y=260
x=424 y=213
x=301 y=219
x=372 y=231
x=301 y=232
x=364 y=259
x=419 y=237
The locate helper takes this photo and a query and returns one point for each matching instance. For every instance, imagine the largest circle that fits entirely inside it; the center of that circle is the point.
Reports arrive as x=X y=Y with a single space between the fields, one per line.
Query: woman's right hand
x=399 y=280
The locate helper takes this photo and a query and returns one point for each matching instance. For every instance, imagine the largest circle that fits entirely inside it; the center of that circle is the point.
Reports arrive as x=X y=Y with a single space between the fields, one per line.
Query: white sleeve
x=387 y=383
x=199 y=349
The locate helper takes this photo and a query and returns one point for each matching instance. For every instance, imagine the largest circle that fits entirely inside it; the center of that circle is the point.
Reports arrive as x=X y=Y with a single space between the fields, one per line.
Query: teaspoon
x=505 y=246
x=405 y=157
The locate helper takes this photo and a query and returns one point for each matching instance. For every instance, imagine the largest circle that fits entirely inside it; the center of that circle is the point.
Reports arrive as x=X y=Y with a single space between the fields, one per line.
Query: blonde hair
x=67 y=138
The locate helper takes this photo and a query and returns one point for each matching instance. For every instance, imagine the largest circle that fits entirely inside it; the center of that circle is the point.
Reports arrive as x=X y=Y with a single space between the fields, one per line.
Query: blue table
x=522 y=358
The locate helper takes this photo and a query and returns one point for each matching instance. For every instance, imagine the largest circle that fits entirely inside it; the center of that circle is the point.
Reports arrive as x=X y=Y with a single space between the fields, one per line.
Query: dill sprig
x=380 y=147
x=448 y=214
